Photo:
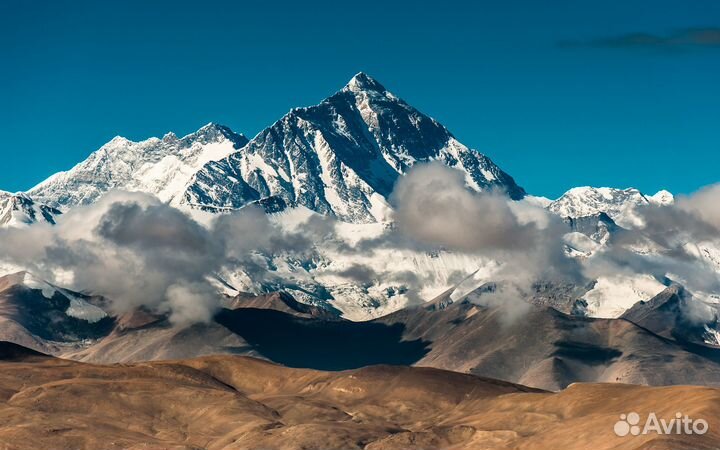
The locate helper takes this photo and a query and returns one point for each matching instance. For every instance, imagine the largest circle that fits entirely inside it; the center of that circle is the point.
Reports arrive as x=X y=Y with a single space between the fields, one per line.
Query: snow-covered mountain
x=21 y=210
x=161 y=167
x=340 y=157
x=596 y=215
x=619 y=204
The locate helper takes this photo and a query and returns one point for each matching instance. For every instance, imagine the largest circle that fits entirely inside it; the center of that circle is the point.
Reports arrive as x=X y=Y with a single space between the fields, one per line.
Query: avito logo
x=681 y=424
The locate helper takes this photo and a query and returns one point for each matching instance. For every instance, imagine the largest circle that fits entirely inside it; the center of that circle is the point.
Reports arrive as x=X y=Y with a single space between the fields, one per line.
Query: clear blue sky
x=559 y=93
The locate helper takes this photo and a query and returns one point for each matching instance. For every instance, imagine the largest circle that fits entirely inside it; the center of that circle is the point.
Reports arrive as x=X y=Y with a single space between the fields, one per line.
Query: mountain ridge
x=159 y=166
x=618 y=204
x=341 y=157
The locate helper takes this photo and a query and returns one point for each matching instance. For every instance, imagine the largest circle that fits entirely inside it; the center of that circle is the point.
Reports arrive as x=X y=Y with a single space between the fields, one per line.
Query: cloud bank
x=686 y=38
x=433 y=206
x=138 y=251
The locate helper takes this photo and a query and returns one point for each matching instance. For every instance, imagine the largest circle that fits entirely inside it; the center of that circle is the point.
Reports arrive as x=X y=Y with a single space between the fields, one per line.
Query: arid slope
x=231 y=402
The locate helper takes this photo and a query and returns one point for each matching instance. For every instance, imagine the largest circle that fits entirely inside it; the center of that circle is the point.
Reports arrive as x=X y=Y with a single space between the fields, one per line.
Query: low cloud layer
x=686 y=38
x=436 y=211
x=436 y=208
x=136 y=250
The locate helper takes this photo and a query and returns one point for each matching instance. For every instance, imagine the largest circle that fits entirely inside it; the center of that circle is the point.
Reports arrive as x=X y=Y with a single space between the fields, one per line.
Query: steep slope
x=161 y=167
x=20 y=209
x=674 y=314
x=613 y=295
x=340 y=157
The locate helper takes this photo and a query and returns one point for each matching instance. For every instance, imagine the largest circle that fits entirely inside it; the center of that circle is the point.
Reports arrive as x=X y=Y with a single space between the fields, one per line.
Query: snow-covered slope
x=161 y=167
x=340 y=157
x=619 y=204
x=19 y=209
x=612 y=296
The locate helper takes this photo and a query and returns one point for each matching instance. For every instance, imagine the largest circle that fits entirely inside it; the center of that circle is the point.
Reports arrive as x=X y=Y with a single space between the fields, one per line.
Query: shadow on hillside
x=318 y=344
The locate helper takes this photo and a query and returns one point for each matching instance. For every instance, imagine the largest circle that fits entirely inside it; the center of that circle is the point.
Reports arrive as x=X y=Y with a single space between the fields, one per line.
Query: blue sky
x=558 y=93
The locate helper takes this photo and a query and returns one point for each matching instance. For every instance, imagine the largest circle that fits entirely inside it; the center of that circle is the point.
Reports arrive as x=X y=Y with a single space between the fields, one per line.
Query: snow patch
x=612 y=296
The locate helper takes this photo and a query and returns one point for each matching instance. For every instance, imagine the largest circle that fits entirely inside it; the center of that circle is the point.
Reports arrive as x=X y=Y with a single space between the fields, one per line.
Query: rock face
x=160 y=167
x=20 y=209
x=340 y=157
x=599 y=227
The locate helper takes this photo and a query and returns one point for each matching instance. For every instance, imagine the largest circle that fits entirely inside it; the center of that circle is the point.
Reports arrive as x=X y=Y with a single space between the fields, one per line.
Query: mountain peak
x=619 y=204
x=214 y=130
x=118 y=140
x=212 y=126
x=662 y=197
x=364 y=82
x=341 y=157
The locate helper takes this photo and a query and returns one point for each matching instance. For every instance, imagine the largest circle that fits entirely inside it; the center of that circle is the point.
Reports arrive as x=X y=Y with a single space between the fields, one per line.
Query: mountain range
x=162 y=167
x=544 y=348
x=341 y=159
